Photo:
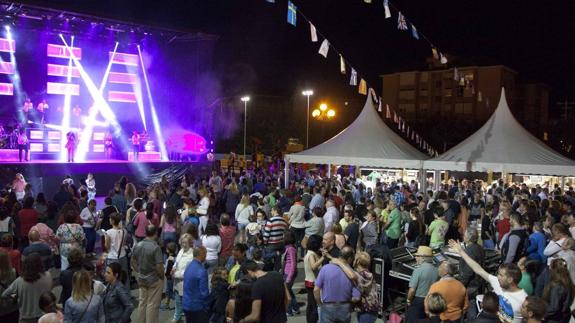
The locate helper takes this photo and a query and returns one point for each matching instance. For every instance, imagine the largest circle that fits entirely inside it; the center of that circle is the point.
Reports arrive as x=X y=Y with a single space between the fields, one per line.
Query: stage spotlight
x=7 y=27
x=60 y=35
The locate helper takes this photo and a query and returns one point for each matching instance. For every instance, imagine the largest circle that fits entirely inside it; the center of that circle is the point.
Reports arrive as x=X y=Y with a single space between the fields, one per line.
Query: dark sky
x=535 y=38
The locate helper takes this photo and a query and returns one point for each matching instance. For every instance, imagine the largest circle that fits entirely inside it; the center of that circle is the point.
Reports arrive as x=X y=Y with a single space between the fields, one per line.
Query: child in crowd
x=52 y=313
x=168 y=265
x=219 y=295
x=253 y=227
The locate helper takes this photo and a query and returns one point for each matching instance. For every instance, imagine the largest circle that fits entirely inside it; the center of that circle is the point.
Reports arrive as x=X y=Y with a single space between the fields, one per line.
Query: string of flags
x=356 y=79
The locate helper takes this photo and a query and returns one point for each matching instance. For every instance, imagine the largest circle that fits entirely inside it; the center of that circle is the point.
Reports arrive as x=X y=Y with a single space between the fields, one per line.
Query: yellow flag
x=362 y=87
x=435 y=53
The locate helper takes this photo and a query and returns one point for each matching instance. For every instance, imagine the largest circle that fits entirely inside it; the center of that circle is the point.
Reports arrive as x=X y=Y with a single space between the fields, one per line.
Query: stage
x=46 y=176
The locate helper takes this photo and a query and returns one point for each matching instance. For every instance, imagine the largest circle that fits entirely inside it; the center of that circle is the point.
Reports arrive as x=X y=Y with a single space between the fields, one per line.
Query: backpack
x=521 y=248
x=130 y=227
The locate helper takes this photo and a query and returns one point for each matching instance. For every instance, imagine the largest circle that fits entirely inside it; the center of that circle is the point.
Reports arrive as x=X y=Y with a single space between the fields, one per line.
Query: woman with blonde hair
x=130 y=194
x=84 y=306
x=243 y=212
x=202 y=209
x=184 y=257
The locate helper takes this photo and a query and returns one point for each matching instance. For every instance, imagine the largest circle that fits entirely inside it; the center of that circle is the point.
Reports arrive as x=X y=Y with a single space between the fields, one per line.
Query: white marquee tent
x=503 y=145
x=367 y=142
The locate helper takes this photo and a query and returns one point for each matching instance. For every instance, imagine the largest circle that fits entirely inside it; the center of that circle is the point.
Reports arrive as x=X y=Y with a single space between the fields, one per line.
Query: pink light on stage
x=63 y=88
x=7 y=45
x=122 y=78
x=186 y=142
x=62 y=70
x=6 y=89
x=7 y=68
x=60 y=51
x=121 y=96
x=124 y=59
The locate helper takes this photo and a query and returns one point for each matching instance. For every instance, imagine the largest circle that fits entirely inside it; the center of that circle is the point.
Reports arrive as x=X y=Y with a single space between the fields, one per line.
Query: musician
x=28 y=106
x=108 y=144
x=22 y=144
x=71 y=145
x=41 y=109
x=136 y=144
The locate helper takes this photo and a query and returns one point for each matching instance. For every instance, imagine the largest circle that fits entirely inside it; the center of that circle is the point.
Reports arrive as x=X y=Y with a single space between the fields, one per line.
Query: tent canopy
x=367 y=142
x=503 y=145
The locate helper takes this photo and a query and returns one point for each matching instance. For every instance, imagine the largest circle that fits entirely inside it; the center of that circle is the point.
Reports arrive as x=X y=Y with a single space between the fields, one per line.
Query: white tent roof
x=503 y=145
x=366 y=142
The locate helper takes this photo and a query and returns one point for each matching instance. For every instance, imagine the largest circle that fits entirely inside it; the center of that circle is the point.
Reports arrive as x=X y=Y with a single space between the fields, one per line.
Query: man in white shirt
x=331 y=215
x=90 y=221
x=511 y=297
x=559 y=233
x=317 y=200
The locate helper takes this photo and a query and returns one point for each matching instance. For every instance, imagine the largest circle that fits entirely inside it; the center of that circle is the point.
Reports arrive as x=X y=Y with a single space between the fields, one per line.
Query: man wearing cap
x=421 y=280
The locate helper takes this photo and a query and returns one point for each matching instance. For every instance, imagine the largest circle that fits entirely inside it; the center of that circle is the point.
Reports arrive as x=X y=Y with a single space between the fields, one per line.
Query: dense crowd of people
x=229 y=247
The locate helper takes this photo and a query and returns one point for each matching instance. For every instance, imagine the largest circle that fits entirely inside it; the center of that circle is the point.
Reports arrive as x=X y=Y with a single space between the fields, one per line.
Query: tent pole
x=437 y=179
x=422 y=180
x=328 y=170
x=562 y=183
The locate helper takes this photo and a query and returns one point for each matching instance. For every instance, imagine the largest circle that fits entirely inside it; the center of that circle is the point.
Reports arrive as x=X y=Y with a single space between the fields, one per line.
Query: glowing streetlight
x=307 y=93
x=245 y=100
x=323 y=107
x=330 y=113
x=315 y=113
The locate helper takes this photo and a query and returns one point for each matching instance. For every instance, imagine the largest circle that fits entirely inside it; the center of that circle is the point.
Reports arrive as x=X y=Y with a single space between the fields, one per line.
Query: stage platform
x=46 y=176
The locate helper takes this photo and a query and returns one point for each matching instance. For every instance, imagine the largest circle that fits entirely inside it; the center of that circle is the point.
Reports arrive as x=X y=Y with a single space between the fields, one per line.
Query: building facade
x=447 y=105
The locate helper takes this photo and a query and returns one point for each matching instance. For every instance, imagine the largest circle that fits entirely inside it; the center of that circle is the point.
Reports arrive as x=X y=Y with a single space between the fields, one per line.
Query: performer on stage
x=28 y=106
x=22 y=144
x=41 y=109
x=108 y=144
x=136 y=144
x=71 y=145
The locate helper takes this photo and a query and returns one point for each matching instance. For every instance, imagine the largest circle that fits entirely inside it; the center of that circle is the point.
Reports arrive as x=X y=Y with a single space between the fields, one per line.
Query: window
x=407 y=79
x=407 y=95
x=468 y=108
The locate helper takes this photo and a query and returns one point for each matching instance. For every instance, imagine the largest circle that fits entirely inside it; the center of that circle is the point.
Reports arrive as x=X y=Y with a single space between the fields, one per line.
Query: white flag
x=341 y=65
x=442 y=59
x=324 y=48
x=313 y=32
x=386 y=7
x=455 y=74
x=353 y=79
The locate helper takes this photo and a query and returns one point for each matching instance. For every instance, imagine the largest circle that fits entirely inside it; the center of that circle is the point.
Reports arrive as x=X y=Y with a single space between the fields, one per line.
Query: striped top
x=274 y=230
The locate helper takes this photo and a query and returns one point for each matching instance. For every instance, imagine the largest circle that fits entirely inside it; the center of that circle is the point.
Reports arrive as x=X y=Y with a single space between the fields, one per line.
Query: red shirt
x=28 y=219
x=503 y=226
x=227 y=234
x=14 y=256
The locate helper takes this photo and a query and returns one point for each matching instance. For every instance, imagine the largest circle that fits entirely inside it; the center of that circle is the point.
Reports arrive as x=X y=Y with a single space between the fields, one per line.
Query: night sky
x=272 y=57
x=534 y=38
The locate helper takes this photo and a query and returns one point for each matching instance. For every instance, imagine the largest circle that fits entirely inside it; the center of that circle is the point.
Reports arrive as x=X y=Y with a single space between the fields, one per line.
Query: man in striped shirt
x=274 y=230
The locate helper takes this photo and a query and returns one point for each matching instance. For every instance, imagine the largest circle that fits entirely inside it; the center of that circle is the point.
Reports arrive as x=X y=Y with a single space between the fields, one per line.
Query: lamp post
x=307 y=93
x=323 y=113
x=245 y=100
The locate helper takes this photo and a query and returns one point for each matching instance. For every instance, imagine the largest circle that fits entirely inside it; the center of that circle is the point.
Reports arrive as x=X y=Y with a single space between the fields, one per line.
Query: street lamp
x=245 y=100
x=307 y=93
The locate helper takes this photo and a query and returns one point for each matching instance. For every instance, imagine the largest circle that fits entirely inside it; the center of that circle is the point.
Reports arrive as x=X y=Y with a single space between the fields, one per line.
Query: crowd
x=229 y=247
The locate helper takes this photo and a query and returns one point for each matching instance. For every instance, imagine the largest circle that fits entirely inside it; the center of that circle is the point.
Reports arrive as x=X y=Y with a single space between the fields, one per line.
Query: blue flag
x=414 y=32
x=292 y=13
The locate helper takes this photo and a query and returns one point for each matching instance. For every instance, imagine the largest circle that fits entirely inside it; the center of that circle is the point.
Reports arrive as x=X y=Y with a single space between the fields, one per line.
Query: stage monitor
x=37 y=147
x=36 y=134
x=54 y=135
x=53 y=148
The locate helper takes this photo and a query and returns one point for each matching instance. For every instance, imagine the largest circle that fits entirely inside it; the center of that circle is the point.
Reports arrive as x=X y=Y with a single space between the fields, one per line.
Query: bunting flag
x=371 y=92
x=292 y=14
x=403 y=126
x=417 y=139
x=407 y=131
x=362 y=87
x=413 y=136
x=367 y=1
x=436 y=154
x=455 y=74
x=271 y=1
x=341 y=65
x=399 y=124
x=394 y=117
x=479 y=96
x=401 y=24
x=324 y=48
x=386 y=7
x=545 y=136
x=313 y=32
x=435 y=53
x=414 y=32
x=462 y=81
x=353 y=78
x=442 y=58
x=387 y=112
x=379 y=109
